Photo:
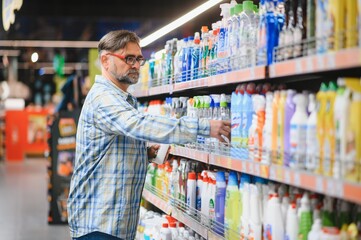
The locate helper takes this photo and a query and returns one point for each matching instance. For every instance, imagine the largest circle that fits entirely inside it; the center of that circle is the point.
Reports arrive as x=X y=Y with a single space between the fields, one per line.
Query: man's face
x=121 y=70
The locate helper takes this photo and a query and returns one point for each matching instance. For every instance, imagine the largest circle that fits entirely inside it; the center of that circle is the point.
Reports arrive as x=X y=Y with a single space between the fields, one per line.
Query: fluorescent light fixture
x=178 y=22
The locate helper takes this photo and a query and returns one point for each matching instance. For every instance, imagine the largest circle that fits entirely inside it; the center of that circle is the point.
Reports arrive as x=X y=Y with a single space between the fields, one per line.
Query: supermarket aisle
x=23 y=203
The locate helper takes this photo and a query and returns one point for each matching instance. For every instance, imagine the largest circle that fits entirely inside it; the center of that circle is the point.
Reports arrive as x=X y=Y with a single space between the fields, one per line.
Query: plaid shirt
x=111 y=159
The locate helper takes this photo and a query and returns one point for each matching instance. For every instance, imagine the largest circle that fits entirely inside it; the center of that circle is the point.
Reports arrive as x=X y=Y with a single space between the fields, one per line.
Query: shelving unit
x=159 y=200
x=300 y=69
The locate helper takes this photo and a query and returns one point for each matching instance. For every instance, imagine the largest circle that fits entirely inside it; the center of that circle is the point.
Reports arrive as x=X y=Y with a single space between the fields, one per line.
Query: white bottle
x=341 y=110
x=255 y=224
x=311 y=139
x=245 y=210
x=274 y=222
x=315 y=233
x=174 y=182
x=285 y=206
x=298 y=133
x=186 y=235
x=205 y=198
x=191 y=193
x=165 y=233
x=173 y=230
x=252 y=130
x=292 y=223
x=267 y=130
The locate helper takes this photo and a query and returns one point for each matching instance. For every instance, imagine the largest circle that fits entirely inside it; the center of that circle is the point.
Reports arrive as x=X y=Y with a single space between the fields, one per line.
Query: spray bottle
x=222 y=52
x=289 y=111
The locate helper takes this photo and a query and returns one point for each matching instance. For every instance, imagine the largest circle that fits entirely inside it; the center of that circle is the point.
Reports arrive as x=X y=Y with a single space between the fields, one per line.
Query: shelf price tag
x=298 y=66
x=272 y=173
x=320 y=62
x=257 y=171
x=309 y=65
x=319 y=185
x=244 y=167
x=251 y=168
x=330 y=188
x=252 y=73
x=331 y=61
x=339 y=186
x=272 y=70
x=297 y=179
x=287 y=176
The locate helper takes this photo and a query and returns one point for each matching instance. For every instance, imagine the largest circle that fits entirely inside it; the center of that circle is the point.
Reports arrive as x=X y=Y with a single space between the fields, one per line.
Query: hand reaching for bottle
x=220 y=128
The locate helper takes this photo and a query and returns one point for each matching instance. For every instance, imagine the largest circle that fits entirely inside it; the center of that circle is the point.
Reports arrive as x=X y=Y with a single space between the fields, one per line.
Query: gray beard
x=127 y=80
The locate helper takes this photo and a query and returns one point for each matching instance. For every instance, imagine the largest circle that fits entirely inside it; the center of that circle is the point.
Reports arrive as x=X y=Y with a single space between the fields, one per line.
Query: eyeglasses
x=129 y=59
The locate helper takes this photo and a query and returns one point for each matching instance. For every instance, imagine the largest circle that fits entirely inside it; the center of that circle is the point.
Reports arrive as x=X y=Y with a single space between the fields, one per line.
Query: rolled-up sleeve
x=117 y=116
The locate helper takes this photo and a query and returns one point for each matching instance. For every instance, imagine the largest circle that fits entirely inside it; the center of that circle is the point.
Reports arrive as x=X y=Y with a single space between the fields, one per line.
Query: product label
x=312 y=147
x=298 y=145
x=327 y=156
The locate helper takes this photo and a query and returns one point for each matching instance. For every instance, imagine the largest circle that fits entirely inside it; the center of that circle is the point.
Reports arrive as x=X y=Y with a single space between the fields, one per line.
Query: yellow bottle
x=329 y=133
x=337 y=23
x=274 y=149
x=353 y=140
x=321 y=113
x=351 y=23
x=281 y=127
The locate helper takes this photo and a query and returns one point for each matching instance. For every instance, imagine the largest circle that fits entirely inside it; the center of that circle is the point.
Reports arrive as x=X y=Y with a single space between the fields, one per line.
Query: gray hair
x=116 y=40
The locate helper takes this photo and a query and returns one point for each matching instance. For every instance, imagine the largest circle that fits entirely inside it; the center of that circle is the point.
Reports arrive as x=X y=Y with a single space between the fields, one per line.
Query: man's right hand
x=219 y=128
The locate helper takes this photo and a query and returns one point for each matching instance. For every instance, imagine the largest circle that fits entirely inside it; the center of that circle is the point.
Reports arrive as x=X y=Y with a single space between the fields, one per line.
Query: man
x=111 y=153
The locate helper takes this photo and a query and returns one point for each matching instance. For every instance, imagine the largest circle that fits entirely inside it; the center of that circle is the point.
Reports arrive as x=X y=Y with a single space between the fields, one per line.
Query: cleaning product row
x=248 y=35
x=239 y=206
x=318 y=132
x=154 y=226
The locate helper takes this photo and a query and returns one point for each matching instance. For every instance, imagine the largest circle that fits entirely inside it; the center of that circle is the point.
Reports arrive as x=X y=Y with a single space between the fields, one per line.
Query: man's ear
x=104 y=61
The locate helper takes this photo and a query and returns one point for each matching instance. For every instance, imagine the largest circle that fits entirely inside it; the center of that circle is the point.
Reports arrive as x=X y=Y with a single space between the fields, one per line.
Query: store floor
x=23 y=202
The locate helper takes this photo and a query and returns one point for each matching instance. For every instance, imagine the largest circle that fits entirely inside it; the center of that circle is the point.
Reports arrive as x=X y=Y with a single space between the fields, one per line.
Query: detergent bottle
x=330 y=140
x=321 y=114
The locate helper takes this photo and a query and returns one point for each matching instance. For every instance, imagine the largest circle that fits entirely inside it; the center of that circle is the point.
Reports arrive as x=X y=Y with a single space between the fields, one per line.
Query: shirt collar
x=125 y=95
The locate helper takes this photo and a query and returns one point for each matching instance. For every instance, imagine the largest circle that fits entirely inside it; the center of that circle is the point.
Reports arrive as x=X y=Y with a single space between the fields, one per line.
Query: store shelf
x=140 y=93
x=298 y=178
x=156 y=201
x=343 y=59
x=164 y=89
x=198 y=83
x=248 y=74
x=253 y=168
x=190 y=153
x=175 y=212
x=190 y=222
x=317 y=183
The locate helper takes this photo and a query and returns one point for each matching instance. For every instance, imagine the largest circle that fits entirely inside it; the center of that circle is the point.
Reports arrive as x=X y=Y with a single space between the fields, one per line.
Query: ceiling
x=82 y=20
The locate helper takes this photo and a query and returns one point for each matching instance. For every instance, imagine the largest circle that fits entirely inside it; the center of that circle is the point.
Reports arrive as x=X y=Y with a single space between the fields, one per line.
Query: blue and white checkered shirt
x=111 y=159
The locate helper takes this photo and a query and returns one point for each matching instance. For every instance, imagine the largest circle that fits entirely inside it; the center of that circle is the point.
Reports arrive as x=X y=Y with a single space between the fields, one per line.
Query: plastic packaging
x=298 y=133
x=220 y=200
x=312 y=143
x=292 y=223
x=232 y=210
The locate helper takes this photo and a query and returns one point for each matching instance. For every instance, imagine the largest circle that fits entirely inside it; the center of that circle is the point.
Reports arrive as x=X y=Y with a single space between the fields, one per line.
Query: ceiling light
x=179 y=22
x=34 y=57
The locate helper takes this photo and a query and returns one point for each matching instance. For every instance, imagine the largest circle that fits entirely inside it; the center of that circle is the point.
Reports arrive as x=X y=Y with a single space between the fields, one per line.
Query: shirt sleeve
x=116 y=116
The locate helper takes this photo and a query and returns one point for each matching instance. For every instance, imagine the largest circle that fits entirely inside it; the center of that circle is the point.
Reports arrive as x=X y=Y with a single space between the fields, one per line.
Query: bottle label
x=298 y=145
